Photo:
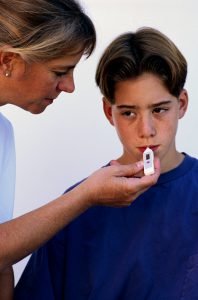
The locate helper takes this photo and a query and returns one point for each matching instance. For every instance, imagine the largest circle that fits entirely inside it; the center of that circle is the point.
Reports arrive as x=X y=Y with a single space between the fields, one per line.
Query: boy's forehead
x=144 y=80
x=147 y=105
x=147 y=88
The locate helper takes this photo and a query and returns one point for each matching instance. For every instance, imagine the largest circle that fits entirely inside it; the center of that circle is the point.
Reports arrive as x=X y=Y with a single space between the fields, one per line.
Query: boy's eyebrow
x=126 y=106
x=165 y=102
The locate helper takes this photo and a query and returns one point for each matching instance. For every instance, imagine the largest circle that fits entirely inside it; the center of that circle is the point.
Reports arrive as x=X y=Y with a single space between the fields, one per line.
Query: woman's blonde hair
x=41 y=30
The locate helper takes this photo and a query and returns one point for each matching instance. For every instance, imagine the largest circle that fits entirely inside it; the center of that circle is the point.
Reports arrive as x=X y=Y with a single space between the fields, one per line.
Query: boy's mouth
x=152 y=147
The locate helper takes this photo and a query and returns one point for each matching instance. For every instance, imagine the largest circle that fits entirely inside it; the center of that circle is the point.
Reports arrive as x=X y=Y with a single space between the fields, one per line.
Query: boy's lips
x=152 y=147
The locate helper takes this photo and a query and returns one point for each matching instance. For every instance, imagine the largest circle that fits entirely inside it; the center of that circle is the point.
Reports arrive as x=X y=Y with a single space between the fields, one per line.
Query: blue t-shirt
x=148 y=251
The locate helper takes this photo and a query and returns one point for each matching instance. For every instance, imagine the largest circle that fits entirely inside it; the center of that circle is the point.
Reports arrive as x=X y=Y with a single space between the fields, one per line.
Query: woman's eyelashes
x=65 y=72
x=60 y=74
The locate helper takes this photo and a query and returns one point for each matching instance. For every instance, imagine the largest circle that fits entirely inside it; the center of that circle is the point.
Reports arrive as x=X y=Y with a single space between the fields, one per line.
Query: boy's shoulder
x=191 y=161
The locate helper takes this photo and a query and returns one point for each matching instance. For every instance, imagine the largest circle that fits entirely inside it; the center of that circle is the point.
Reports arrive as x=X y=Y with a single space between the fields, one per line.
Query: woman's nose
x=66 y=84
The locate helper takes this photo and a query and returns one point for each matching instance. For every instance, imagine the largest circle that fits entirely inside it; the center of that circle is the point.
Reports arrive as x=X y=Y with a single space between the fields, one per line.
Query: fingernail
x=140 y=164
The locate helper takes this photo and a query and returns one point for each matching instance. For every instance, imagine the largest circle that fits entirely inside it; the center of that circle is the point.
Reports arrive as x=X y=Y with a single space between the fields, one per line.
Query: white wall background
x=72 y=138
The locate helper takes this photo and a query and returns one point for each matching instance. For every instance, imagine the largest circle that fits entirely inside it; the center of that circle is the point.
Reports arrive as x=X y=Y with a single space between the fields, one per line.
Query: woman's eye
x=59 y=74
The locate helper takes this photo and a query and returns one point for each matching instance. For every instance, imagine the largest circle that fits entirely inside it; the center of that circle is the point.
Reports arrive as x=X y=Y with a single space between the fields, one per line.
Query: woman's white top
x=7 y=169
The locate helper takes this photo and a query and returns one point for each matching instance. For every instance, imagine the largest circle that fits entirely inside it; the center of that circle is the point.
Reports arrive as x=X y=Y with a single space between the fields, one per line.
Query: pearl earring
x=7 y=73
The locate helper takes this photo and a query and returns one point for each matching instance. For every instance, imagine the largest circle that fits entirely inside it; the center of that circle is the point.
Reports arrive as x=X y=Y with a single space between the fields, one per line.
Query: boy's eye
x=159 y=110
x=128 y=113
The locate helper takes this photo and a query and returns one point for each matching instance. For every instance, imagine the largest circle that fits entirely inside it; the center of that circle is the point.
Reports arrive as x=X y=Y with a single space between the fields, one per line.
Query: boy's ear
x=183 y=103
x=107 y=107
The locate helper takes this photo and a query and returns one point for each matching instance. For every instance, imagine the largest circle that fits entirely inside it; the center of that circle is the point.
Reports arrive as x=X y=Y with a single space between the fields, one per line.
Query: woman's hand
x=118 y=185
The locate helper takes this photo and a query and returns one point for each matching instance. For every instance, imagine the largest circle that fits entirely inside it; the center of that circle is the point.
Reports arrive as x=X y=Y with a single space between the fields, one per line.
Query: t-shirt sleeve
x=7 y=169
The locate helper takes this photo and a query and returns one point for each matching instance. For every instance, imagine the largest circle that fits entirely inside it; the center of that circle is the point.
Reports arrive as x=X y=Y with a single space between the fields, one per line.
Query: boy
x=148 y=250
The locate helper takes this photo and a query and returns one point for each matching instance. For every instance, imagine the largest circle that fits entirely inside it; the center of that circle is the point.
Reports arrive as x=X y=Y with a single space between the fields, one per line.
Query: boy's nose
x=146 y=127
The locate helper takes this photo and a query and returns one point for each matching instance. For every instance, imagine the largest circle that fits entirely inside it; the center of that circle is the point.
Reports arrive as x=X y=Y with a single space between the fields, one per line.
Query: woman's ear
x=183 y=103
x=7 y=60
x=107 y=107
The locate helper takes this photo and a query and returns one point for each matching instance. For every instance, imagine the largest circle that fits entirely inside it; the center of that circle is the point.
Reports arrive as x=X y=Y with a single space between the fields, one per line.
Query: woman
x=41 y=42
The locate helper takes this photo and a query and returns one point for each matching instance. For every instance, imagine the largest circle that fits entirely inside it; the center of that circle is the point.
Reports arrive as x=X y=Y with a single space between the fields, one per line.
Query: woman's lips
x=48 y=101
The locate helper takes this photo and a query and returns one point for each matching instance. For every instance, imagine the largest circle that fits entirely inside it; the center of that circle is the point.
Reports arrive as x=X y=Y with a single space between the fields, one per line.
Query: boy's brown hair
x=145 y=51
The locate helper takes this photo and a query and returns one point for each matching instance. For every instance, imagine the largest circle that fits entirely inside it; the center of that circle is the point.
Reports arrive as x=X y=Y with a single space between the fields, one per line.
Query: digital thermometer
x=148 y=159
